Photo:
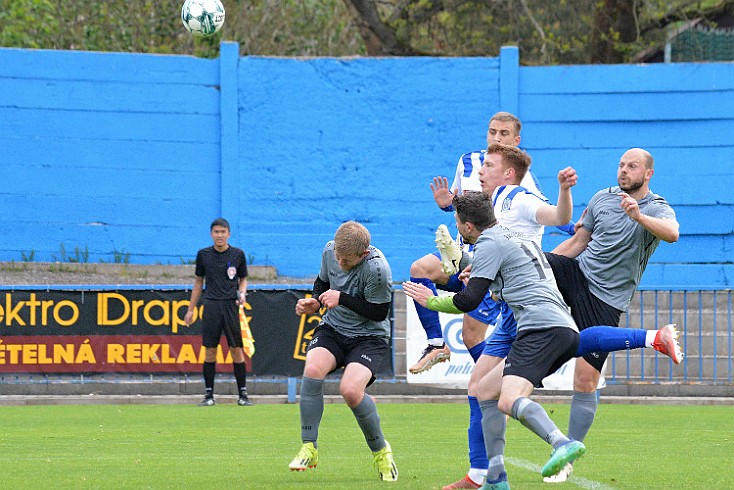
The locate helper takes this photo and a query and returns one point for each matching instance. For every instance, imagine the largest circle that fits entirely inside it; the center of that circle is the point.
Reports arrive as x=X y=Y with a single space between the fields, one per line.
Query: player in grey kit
x=515 y=270
x=599 y=268
x=355 y=286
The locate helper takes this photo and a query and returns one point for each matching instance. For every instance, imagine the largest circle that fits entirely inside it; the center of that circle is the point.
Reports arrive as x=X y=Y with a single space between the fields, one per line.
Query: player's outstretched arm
x=573 y=247
x=664 y=228
x=561 y=214
x=441 y=193
x=467 y=300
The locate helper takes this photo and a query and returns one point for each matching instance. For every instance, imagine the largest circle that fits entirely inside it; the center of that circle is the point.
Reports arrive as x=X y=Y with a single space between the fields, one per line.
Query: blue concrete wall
x=129 y=153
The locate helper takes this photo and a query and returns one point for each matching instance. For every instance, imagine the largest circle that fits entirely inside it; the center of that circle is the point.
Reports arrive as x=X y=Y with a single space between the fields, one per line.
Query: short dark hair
x=219 y=222
x=475 y=208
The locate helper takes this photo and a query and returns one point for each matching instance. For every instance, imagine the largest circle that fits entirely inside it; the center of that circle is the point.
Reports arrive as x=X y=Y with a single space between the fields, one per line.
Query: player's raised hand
x=418 y=292
x=441 y=192
x=567 y=178
x=630 y=206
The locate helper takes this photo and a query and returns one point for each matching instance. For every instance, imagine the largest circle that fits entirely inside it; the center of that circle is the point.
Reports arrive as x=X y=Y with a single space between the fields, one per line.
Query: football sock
x=650 y=337
x=369 y=421
x=494 y=424
x=209 y=370
x=476 y=351
x=477 y=450
x=476 y=475
x=583 y=409
x=240 y=375
x=312 y=408
x=535 y=418
x=428 y=318
x=603 y=338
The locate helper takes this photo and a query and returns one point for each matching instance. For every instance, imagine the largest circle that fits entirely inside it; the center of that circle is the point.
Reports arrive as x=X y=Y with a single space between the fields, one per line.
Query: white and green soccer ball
x=202 y=17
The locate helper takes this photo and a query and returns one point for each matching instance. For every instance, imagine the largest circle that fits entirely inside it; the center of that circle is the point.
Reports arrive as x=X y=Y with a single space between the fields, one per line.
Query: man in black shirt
x=224 y=270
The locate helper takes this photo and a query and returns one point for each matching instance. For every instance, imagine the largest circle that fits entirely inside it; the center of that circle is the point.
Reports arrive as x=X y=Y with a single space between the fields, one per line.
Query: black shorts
x=368 y=351
x=586 y=309
x=537 y=353
x=220 y=317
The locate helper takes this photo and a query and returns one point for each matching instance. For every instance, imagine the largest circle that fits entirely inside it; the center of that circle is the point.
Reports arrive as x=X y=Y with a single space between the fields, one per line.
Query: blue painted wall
x=128 y=153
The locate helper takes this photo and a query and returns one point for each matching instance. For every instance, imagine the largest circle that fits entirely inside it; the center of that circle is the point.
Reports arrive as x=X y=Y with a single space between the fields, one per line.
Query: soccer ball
x=202 y=17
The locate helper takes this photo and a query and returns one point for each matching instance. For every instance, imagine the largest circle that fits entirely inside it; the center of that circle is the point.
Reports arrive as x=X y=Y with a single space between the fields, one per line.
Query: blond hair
x=351 y=239
x=507 y=117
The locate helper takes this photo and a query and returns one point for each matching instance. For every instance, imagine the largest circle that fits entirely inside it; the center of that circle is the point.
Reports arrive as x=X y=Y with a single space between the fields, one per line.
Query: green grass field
x=226 y=446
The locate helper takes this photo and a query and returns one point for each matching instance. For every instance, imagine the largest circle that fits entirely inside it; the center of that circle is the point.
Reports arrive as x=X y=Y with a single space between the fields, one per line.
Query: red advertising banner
x=142 y=331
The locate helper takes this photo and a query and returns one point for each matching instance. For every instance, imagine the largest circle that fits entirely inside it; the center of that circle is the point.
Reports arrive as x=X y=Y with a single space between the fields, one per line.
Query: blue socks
x=429 y=318
x=603 y=338
x=477 y=449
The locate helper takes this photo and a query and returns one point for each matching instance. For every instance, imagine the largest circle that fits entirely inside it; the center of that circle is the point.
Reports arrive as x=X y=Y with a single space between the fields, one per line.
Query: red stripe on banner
x=107 y=353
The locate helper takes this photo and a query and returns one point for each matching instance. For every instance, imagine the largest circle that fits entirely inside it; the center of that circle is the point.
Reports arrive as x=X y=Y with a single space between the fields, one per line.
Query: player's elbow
x=672 y=237
x=672 y=233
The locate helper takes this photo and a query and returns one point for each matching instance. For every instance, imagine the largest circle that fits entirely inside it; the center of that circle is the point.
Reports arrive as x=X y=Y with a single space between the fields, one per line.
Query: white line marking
x=573 y=479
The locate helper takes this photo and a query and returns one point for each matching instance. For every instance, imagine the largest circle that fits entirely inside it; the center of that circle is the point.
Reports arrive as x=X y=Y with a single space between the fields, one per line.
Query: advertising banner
x=142 y=331
x=456 y=372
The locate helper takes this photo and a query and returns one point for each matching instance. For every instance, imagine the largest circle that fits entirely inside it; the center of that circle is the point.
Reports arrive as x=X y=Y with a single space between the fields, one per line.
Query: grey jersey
x=370 y=280
x=521 y=276
x=619 y=248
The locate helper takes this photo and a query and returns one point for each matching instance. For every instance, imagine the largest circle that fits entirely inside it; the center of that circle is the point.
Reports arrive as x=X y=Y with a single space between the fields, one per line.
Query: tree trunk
x=615 y=23
x=380 y=39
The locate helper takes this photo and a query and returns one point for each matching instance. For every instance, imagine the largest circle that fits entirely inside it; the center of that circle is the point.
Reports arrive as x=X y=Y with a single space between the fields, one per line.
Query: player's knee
x=485 y=391
x=352 y=394
x=238 y=356
x=472 y=388
x=505 y=405
x=210 y=354
x=418 y=269
x=585 y=382
x=312 y=372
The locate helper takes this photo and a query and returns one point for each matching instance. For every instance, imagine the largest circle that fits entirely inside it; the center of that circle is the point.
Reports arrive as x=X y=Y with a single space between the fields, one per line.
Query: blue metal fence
x=704 y=319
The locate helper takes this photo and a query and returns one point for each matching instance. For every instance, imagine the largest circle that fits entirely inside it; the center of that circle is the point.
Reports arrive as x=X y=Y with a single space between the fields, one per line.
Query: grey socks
x=312 y=408
x=494 y=425
x=583 y=410
x=369 y=421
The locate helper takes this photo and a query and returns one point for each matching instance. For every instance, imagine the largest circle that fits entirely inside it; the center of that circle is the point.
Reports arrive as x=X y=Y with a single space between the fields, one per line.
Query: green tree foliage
x=262 y=27
x=547 y=31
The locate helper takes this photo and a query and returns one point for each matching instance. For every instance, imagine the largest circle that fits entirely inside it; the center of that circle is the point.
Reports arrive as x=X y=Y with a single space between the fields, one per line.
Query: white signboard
x=456 y=372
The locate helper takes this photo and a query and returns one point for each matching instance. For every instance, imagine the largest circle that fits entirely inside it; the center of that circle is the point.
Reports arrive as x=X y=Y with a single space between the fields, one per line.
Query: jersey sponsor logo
x=231 y=272
x=506 y=204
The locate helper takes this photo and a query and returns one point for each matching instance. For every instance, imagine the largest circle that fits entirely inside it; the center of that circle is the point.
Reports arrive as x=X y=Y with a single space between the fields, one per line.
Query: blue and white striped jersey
x=466 y=178
x=515 y=208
